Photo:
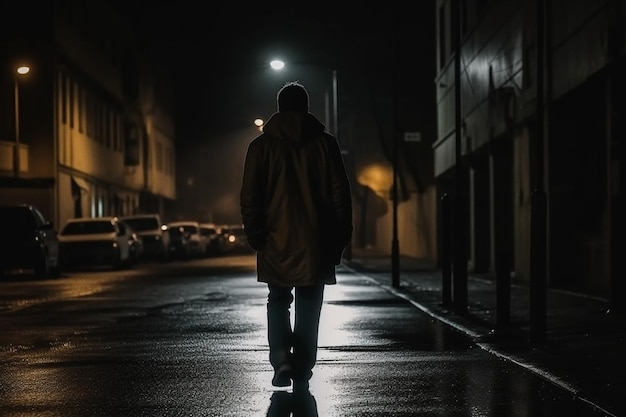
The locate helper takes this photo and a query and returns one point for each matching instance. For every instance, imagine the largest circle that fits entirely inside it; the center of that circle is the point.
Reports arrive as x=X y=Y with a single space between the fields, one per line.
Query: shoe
x=282 y=376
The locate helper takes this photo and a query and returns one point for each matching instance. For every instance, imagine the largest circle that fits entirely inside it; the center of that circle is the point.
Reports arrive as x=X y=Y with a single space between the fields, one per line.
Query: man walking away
x=296 y=209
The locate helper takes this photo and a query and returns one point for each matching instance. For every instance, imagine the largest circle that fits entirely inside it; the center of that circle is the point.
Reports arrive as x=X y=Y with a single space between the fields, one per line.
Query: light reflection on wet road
x=188 y=339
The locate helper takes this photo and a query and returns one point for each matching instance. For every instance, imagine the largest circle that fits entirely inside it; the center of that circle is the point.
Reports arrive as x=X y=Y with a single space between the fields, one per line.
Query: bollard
x=446 y=251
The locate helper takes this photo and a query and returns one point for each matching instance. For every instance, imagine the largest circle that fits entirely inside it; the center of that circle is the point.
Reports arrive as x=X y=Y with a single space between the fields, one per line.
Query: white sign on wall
x=412 y=136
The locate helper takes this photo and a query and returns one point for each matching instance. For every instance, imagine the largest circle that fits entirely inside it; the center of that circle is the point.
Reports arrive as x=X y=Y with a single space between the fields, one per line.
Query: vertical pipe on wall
x=538 y=201
x=460 y=201
x=395 y=243
x=446 y=251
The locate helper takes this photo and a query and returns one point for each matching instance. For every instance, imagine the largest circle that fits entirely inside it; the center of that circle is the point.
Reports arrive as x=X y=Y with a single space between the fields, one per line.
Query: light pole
x=335 y=117
x=21 y=70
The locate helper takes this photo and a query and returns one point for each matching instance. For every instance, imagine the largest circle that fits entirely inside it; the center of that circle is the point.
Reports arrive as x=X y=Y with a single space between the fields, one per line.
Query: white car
x=95 y=241
x=187 y=231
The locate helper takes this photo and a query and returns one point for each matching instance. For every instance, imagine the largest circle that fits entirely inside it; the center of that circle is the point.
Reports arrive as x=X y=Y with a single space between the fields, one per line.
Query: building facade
x=531 y=140
x=93 y=132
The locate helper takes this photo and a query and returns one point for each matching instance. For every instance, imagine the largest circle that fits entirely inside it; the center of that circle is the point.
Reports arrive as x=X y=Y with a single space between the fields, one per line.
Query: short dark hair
x=293 y=97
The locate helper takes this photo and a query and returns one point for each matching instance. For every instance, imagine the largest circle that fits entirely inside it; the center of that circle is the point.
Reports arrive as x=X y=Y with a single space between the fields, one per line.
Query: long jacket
x=295 y=201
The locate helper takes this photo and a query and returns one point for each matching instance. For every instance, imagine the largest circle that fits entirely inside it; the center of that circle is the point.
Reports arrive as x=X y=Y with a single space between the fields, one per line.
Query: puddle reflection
x=286 y=404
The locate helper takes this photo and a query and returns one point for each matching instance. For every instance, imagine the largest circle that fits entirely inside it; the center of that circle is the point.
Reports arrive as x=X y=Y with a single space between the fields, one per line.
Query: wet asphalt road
x=188 y=339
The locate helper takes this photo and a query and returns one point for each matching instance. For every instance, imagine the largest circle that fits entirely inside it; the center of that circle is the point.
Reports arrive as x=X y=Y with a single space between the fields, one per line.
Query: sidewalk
x=584 y=346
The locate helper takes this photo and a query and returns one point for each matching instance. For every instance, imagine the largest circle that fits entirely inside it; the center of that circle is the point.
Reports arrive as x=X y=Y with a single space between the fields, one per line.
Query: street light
x=278 y=65
x=258 y=122
x=20 y=71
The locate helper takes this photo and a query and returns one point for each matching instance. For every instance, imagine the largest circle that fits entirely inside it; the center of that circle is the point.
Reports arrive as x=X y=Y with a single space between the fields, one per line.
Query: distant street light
x=20 y=71
x=277 y=64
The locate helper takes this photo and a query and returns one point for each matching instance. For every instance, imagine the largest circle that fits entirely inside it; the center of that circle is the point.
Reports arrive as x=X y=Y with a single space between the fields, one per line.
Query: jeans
x=297 y=346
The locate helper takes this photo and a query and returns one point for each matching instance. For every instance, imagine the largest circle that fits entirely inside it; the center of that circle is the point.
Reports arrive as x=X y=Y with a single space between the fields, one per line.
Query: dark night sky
x=219 y=54
x=219 y=60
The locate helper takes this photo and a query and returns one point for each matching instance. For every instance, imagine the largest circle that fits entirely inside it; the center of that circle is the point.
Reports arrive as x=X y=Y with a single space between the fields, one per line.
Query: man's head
x=293 y=97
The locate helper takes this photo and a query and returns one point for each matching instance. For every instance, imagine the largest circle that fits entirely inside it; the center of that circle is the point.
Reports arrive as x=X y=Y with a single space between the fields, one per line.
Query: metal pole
x=459 y=270
x=335 y=118
x=395 y=244
x=538 y=201
x=347 y=254
x=16 y=149
x=446 y=251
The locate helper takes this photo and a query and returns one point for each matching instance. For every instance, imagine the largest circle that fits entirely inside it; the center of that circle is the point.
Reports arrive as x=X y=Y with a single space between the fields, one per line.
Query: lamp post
x=21 y=70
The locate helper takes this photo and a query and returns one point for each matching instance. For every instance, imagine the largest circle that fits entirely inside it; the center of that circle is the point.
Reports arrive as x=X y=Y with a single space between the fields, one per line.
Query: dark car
x=135 y=243
x=153 y=233
x=210 y=233
x=29 y=241
x=232 y=239
x=180 y=243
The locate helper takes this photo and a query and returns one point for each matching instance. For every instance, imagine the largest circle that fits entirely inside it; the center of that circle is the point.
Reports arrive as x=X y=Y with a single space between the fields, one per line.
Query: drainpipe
x=538 y=199
x=460 y=225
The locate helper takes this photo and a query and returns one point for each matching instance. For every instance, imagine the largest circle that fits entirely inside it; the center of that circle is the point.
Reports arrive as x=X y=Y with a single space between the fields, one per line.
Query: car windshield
x=232 y=231
x=207 y=231
x=142 y=224
x=191 y=229
x=87 y=228
x=176 y=231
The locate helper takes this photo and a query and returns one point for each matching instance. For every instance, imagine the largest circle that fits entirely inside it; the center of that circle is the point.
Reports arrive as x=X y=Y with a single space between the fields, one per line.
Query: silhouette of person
x=283 y=404
x=296 y=209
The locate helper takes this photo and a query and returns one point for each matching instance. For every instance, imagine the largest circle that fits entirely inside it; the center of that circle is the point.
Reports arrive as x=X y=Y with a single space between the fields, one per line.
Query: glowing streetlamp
x=20 y=71
x=277 y=64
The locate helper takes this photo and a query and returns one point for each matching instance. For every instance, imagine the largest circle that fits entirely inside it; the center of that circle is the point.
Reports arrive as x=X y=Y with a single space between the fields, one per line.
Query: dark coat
x=295 y=200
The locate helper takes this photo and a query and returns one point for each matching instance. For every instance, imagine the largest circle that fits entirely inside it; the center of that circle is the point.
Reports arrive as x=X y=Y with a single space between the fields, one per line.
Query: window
x=159 y=156
x=80 y=109
x=62 y=90
x=464 y=18
x=88 y=228
x=70 y=102
x=106 y=127
x=441 y=35
x=117 y=129
x=444 y=33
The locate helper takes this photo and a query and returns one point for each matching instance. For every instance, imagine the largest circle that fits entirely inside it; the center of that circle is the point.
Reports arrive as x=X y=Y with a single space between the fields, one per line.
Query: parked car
x=153 y=233
x=135 y=243
x=95 y=241
x=232 y=238
x=29 y=241
x=210 y=234
x=185 y=235
x=179 y=244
